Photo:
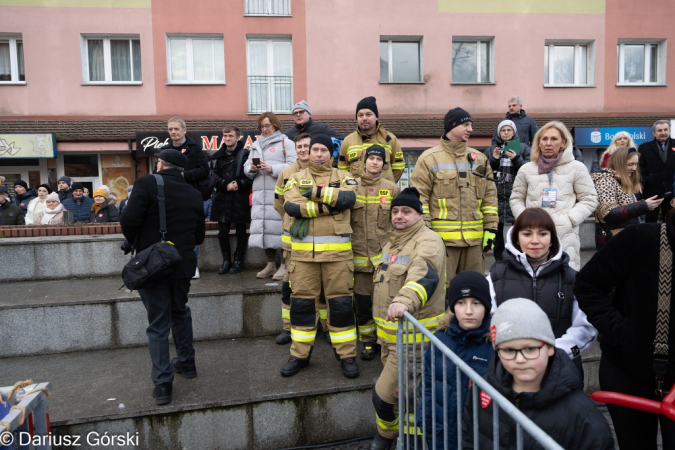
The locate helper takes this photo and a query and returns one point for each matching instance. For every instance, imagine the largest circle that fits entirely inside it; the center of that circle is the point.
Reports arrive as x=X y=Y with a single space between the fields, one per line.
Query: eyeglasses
x=269 y=125
x=509 y=354
x=299 y=113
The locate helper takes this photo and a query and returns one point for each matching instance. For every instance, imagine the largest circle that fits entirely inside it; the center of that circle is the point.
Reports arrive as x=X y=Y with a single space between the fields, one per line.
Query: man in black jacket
x=657 y=167
x=166 y=303
x=526 y=126
x=10 y=214
x=305 y=124
x=23 y=195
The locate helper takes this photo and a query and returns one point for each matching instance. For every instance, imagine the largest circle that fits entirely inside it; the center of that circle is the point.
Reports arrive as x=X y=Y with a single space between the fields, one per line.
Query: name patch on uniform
x=352 y=154
x=385 y=193
x=305 y=182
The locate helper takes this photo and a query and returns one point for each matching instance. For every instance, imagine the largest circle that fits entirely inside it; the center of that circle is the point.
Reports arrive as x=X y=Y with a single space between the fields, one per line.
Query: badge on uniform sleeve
x=485 y=399
x=352 y=154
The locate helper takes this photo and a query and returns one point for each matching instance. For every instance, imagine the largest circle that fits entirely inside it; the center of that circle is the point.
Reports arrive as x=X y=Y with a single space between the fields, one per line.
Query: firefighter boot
x=284 y=337
x=349 y=367
x=380 y=443
x=370 y=349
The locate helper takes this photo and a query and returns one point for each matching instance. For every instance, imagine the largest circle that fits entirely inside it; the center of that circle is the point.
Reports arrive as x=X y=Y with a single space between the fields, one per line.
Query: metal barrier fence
x=409 y=328
x=26 y=424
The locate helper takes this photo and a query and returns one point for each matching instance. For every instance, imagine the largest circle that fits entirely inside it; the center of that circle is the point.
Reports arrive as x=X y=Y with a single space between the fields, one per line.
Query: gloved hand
x=126 y=247
x=299 y=228
x=312 y=193
x=489 y=237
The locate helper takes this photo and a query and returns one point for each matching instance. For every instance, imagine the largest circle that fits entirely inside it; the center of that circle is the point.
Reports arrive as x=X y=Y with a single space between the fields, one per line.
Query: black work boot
x=293 y=366
x=349 y=367
x=370 y=349
x=188 y=368
x=225 y=268
x=326 y=336
x=162 y=393
x=380 y=443
x=237 y=263
x=284 y=337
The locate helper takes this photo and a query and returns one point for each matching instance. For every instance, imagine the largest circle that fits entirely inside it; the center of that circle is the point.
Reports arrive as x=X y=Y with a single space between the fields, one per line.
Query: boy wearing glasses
x=540 y=380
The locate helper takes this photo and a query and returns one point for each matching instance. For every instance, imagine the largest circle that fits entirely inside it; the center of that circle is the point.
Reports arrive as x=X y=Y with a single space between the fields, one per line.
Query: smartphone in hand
x=256 y=162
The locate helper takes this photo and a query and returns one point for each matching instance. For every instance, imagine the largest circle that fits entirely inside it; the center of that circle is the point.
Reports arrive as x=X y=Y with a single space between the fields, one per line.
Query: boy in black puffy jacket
x=540 y=380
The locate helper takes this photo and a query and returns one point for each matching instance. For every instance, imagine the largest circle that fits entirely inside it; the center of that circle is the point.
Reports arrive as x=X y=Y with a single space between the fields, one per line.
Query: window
x=12 y=68
x=267 y=7
x=401 y=59
x=270 y=75
x=472 y=60
x=568 y=63
x=641 y=62
x=111 y=59
x=197 y=59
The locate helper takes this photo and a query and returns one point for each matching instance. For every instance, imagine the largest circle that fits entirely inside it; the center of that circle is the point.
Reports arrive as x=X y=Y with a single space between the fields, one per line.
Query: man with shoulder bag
x=165 y=297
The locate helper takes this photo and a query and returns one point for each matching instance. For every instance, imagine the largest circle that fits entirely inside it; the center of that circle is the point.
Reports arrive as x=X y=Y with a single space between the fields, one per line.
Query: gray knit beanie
x=507 y=123
x=302 y=104
x=520 y=318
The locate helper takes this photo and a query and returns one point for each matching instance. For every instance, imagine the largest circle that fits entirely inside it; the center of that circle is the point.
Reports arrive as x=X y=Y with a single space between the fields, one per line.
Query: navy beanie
x=454 y=118
x=375 y=150
x=321 y=139
x=408 y=197
x=470 y=284
x=368 y=103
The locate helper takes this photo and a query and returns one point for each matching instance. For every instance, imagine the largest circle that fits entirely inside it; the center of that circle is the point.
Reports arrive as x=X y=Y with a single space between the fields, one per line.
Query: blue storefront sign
x=602 y=136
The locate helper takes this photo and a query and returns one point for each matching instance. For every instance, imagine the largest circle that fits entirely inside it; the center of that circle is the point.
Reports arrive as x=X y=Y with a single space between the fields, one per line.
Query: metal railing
x=28 y=419
x=267 y=7
x=410 y=326
x=270 y=93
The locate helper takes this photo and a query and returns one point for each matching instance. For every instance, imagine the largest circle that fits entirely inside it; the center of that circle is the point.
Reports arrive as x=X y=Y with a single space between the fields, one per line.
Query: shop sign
x=150 y=142
x=602 y=136
x=15 y=145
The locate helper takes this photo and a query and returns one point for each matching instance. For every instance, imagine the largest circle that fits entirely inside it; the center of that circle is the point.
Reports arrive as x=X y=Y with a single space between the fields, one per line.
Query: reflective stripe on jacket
x=457 y=203
x=412 y=272
x=354 y=146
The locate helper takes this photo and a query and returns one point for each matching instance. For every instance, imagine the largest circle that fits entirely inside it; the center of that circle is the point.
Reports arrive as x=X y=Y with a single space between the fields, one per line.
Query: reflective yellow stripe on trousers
x=302 y=336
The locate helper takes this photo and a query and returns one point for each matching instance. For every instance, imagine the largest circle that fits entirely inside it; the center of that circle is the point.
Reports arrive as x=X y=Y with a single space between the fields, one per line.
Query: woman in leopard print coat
x=617 y=187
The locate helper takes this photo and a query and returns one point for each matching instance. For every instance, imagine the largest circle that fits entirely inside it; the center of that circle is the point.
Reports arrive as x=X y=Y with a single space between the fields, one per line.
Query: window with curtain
x=401 y=60
x=640 y=62
x=568 y=64
x=196 y=59
x=472 y=60
x=11 y=60
x=270 y=75
x=267 y=7
x=111 y=60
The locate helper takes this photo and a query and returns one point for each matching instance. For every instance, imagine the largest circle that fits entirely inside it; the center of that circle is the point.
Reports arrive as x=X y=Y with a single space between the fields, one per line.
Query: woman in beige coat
x=553 y=180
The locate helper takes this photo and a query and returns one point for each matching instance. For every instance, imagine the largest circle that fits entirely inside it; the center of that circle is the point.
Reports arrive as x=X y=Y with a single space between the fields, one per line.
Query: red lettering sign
x=211 y=144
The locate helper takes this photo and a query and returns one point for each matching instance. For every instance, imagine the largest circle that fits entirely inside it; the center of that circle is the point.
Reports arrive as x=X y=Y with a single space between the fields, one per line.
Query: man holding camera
x=166 y=302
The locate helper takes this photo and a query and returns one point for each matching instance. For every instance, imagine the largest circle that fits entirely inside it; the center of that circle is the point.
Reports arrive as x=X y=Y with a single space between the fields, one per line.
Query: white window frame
x=107 y=58
x=13 y=39
x=490 y=40
x=270 y=59
x=393 y=39
x=661 y=64
x=272 y=8
x=590 y=62
x=190 y=61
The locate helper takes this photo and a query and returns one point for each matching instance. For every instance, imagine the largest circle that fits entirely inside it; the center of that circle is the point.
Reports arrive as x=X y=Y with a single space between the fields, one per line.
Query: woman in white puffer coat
x=553 y=180
x=273 y=152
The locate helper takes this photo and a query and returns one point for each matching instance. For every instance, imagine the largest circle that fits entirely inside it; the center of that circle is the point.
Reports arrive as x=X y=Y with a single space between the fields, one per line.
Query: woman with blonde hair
x=617 y=187
x=620 y=139
x=559 y=184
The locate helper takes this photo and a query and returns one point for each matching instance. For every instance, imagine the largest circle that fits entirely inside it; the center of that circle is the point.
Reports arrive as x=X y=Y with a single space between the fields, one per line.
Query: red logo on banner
x=485 y=399
x=392 y=259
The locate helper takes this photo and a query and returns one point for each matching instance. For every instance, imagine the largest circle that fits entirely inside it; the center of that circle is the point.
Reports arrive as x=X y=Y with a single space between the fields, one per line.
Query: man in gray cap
x=304 y=124
x=166 y=303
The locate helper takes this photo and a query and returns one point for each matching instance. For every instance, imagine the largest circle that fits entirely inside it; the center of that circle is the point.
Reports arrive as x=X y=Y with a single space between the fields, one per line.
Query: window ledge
x=641 y=84
x=130 y=83
x=567 y=86
x=196 y=83
x=12 y=83
x=488 y=83
x=403 y=82
x=268 y=15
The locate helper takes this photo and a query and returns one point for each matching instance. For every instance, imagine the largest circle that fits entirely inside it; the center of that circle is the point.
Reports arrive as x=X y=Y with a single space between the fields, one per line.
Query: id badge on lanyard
x=550 y=195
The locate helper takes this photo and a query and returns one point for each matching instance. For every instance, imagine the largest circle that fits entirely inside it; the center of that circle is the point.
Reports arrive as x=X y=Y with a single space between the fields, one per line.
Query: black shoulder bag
x=661 y=349
x=150 y=265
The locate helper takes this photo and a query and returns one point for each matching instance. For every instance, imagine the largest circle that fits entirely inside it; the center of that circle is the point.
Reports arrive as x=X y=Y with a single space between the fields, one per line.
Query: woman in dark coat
x=102 y=211
x=506 y=165
x=231 y=200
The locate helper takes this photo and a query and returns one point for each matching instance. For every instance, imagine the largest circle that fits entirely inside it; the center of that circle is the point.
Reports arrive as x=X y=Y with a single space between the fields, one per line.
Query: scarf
x=263 y=141
x=546 y=165
x=96 y=206
x=506 y=174
x=49 y=214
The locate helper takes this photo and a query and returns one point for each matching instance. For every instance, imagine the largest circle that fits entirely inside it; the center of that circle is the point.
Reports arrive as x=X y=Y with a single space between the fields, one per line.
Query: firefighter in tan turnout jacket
x=319 y=200
x=369 y=132
x=370 y=223
x=459 y=200
x=410 y=277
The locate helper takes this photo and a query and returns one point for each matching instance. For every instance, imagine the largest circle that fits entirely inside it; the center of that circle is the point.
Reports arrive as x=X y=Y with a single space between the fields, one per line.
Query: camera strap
x=663 y=311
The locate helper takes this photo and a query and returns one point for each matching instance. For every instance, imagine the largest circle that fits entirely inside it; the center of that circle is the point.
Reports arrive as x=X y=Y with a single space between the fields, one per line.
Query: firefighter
x=370 y=222
x=370 y=131
x=409 y=277
x=302 y=149
x=319 y=199
x=459 y=199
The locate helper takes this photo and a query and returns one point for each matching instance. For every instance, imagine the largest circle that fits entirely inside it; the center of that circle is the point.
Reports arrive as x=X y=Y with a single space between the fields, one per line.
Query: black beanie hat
x=77 y=186
x=367 y=103
x=22 y=184
x=470 y=284
x=408 y=197
x=375 y=150
x=46 y=186
x=173 y=157
x=454 y=118
x=321 y=139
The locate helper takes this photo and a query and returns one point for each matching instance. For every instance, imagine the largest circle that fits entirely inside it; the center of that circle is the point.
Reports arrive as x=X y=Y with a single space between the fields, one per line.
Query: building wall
x=53 y=61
